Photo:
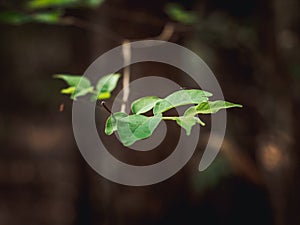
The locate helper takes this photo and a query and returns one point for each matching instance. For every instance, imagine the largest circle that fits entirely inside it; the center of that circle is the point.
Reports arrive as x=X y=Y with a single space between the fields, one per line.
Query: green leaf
x=78 y=84
x=179 y=98
x=178 y=13
x=94 y=3
x=69 y=90
x=192 y=112
x=14 y=18
x=47 y=17
x=205 y=108
x=189 y=119
x=73 y=80
x=144 y=104
x=111 y=122
x=104 y=95
x=187 y=122
x=39 y=4
x=136 y=127
x=79 y=91
x=213 y=107
x=106 y=85
x=18 y=18
x=199 y=121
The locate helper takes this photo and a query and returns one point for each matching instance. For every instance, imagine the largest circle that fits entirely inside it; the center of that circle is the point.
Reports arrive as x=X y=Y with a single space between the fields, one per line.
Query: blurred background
x=252 y=46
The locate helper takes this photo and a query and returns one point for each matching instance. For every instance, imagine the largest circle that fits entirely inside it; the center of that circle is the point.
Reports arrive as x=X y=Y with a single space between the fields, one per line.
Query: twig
x=105 y=107
x=61 y=107
x=165 y=35
x=167 y=32
x=126 y=50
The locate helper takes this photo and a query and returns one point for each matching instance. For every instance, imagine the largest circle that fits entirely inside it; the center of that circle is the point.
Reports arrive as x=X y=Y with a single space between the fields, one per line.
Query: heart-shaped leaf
x=136 y=127
x=111 y=122
x=144 y=104
x=179 y=98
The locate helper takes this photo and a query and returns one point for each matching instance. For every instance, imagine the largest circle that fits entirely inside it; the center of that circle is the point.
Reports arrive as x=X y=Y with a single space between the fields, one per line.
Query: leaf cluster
x=132 y=128
x=80 y=86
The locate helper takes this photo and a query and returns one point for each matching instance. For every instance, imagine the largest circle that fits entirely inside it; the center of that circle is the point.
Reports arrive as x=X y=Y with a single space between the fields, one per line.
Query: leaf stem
x=169 y=117
x=105 y=107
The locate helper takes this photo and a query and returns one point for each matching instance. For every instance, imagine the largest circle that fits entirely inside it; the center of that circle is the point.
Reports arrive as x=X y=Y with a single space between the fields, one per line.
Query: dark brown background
x=253 y=48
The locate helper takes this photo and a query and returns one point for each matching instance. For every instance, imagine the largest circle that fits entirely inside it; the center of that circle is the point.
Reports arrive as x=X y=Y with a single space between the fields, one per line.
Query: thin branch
x=126 y=50
x=167 y=32
x=169 y=117
x=105 y=107
x=165 y=35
